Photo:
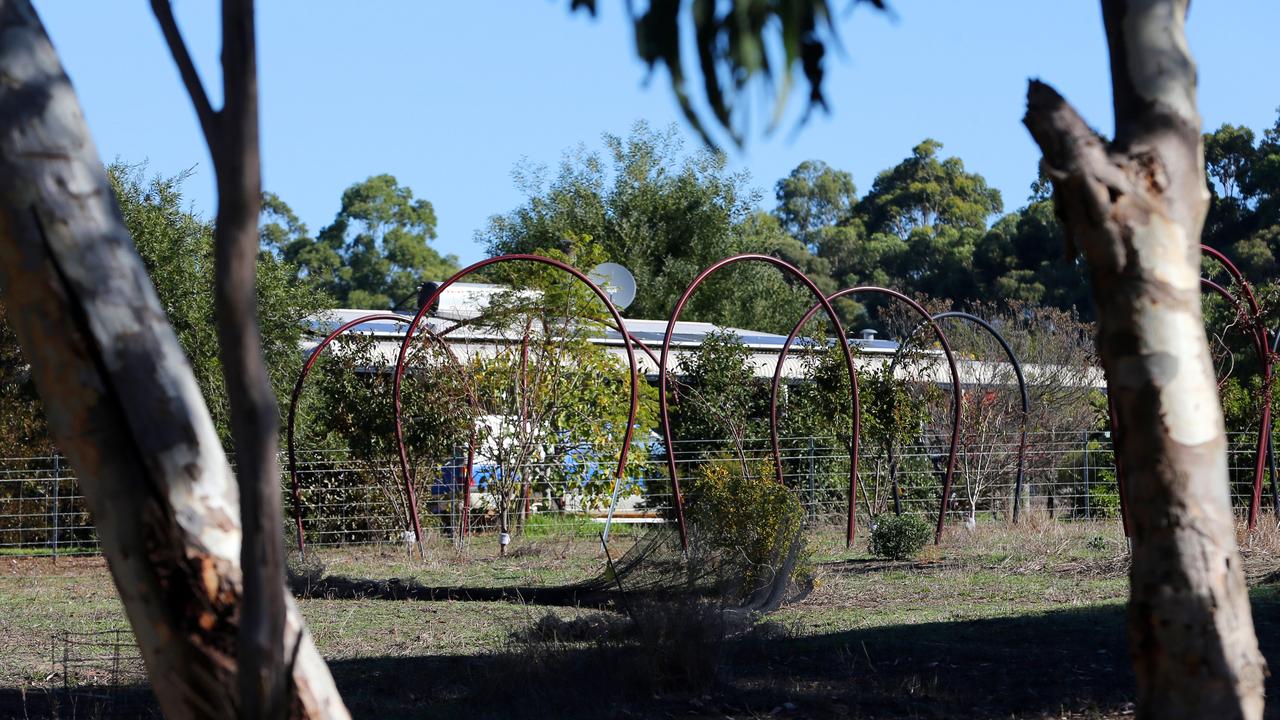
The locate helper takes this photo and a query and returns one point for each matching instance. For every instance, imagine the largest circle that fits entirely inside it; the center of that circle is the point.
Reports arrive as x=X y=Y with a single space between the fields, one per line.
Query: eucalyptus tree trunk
x=1135 y=208
x=121 y=399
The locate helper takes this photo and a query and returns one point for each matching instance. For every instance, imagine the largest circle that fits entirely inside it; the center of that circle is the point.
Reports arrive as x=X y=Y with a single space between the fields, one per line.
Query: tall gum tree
x=1135 y=208
x=122 y=401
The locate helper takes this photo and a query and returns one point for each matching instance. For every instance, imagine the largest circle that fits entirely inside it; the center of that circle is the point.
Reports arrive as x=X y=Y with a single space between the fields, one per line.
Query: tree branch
x=254 y=413
x=132 y=421
x=1086 y=180
x=163 y=11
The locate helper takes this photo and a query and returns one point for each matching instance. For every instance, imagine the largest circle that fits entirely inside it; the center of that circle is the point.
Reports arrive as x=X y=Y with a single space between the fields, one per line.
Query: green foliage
x=374 y=254
x=718 y=398
x=898 y=537
x=177 y=249
x=749 y=520
x=665 y=215
x=925 y=192
x=1022 y=258
x=736 y=42
x=1104 y=496
x=24 y=431
x=814 y=196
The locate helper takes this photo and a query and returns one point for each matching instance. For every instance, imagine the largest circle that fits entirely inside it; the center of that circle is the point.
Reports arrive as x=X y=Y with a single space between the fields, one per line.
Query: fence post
x=813 y=471
x=57 y=481
x=1088 y=510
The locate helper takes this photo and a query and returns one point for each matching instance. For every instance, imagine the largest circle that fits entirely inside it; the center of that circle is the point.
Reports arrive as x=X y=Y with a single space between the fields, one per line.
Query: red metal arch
x=1259 y=332
x=666 y=354
x=297 y=394
x=955 y=393
x=417 y=320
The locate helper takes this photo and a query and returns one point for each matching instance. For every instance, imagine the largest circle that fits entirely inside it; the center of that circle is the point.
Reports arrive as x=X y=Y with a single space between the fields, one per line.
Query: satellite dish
x=615 y=280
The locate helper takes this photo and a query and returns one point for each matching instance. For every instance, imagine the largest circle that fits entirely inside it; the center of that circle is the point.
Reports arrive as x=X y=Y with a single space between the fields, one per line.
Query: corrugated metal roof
x=461 y=302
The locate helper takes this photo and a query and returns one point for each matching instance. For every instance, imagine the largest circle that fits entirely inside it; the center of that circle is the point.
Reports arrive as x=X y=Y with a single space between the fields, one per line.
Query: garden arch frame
x=1016 y=363
x=851 y=522
x=663 y=404
x=628 y=432
x=294 y=398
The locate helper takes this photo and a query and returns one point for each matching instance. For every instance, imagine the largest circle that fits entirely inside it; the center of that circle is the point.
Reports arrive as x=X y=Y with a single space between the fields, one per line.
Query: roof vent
x=868 y=334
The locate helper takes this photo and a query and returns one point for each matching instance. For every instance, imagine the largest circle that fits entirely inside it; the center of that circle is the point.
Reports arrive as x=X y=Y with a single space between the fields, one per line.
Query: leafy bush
x=750 y=523
x=1104 y=498
x=898 y=537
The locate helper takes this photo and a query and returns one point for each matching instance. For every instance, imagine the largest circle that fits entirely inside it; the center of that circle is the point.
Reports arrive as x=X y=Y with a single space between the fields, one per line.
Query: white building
x=464 y=302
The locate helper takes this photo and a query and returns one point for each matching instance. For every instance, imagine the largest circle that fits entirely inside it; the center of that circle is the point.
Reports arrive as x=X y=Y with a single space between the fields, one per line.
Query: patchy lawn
x=1000 y=622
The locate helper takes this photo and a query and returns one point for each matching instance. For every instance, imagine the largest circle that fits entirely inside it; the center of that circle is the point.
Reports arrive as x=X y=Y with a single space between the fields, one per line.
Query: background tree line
x=928 y=226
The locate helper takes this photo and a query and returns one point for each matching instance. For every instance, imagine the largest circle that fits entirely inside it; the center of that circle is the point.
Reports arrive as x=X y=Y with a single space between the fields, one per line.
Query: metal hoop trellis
x=417 y=320
x=290 y=428
x=666 y=352
x=955 y=390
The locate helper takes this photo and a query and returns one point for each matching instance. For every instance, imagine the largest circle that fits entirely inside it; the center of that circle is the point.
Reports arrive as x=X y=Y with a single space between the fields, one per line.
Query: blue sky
x=450 y=96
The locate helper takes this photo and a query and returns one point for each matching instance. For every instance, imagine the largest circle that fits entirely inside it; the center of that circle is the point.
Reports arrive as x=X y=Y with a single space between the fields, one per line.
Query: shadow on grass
x=1070 y=662
x=336 y=587
x=1067 y=663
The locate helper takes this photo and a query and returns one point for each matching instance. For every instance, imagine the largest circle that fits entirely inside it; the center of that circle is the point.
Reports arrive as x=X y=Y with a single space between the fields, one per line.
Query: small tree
x=720 y=405
x=351 y=405
x=748 y=530
x=558 y=401
x=894 y=412
x=1061 y=374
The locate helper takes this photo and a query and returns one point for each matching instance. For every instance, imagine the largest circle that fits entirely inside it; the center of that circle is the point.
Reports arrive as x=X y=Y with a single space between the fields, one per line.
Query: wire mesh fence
x=1067 y=475
x=41 y=508
x=98 y=675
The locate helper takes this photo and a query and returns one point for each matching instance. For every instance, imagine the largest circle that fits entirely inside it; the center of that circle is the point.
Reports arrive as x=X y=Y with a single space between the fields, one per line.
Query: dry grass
x=1003 y=621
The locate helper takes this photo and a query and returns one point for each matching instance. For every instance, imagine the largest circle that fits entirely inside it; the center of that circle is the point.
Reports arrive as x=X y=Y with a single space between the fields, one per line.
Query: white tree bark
x=121 y=399
x=1135 y=208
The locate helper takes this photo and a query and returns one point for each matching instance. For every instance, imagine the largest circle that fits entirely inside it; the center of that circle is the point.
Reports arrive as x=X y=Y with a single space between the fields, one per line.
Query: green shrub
x=898 y=537
x=1104 y=499
x=750 y=523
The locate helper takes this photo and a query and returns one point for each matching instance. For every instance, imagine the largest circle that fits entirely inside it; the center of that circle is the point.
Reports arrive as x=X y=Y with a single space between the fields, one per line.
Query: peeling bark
x=121 y=398
x=1135 y=208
